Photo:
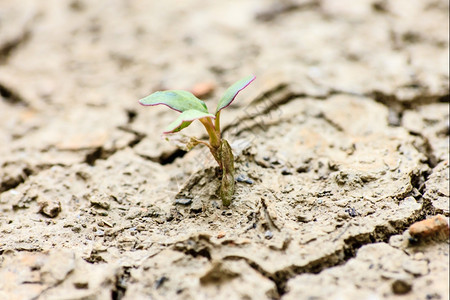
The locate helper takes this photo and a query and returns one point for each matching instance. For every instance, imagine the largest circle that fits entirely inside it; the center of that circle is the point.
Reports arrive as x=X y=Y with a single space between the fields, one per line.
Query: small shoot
x=191 y=109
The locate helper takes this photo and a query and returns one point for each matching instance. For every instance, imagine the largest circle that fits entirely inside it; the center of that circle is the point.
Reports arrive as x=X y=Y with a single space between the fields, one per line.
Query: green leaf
x=232 y=92
x=175 y=99
x=185 y=119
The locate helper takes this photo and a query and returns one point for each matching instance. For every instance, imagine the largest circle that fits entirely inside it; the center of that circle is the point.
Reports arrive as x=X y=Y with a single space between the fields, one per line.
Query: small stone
x=183 y=201
x=100 y=201
x=394 y=118
x=197 y=206
x=433 y=296
x=221 y=235
x=133 y=213
x=304 y=218
x=262 y=162
x=203 y=89
x=81 y=285
x=160 y=281
x=286 y=171
x=342 y=216
x=76 y=229
x=196 y=209
x=242 y=178
x=401 y=287
x=302 y=168
x=50 y=207
x=249 y=181
x=419 y=256
x=351 y=212
x=268 y=235
x=436 y=227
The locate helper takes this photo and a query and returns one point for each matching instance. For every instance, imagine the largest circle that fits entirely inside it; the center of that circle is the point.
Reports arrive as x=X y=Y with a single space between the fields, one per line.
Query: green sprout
x=191 y=109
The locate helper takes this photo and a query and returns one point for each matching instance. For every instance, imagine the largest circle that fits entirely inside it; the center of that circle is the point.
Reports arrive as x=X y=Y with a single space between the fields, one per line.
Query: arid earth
x=341 y=144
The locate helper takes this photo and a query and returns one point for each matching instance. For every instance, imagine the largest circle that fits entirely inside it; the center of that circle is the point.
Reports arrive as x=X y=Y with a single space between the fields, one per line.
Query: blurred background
x=342 y=144
x=71 y=71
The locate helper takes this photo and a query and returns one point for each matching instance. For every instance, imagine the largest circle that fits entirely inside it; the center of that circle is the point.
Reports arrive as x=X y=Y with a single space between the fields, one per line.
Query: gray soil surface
x=341 y=143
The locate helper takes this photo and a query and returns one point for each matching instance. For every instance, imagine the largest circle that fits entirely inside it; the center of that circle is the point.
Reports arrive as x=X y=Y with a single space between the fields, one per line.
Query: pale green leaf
x=175 y=99
x=232 y=91
x=185 y=119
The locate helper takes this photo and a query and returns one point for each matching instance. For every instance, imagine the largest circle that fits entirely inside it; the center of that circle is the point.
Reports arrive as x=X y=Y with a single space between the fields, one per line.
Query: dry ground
x=341 y=144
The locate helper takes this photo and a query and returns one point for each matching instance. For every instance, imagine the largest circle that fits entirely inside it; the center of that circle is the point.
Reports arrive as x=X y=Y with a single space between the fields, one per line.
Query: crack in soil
x=26 y=172
x=9 y=47
x=103 y=154
x=267 y=216
x=56 y=284
x=12 y=182
x=195 y=246
x=381 y=233
x=166 y=157
x=276 y=97
x=278 y=9
x=281 y=94
x=120 y=284
x=12 y=96
x=396 y=106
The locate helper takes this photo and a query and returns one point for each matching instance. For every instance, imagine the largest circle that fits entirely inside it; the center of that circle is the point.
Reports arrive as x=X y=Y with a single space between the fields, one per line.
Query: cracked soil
x=341 y=144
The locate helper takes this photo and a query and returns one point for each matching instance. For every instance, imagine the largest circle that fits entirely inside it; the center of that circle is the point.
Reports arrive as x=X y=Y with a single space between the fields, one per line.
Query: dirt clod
x=49 y=207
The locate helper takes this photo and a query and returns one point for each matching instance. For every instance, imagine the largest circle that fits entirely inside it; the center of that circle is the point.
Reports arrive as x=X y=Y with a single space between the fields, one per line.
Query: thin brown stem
x=201 y=142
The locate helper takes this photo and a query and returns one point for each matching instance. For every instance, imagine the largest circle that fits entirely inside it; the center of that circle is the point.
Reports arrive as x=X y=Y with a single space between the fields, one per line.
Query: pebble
x=203 y=89
x=401 y=287
x=183 y=201
x=50 y=208
x=81 y=285
x=160 y=281
x=100 y=203
x=436 y=227
x=419 y=256
x=302 y=168
x=268 y=235
x=242 y=178
x=351 y=212
x=286 y=171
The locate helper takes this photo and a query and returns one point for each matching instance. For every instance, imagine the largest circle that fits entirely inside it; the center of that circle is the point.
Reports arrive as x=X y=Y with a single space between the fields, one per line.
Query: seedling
x=191 y=109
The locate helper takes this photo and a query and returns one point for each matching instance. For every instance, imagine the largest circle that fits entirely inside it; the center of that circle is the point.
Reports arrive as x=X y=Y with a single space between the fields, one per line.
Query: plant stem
x=214 y=140
x=201 y=142
x=217 y=125
x=214 y=137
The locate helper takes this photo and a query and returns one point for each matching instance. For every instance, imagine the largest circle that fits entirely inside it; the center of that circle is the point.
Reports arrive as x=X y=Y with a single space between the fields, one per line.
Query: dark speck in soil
x=160 y=281
x=286 y=171
x=351 y=212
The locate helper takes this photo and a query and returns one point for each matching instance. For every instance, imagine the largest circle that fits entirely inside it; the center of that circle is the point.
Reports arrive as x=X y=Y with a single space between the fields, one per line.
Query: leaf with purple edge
x=175 y=99
x=185 y=119
x=232 y=92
